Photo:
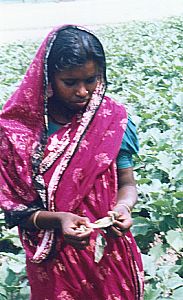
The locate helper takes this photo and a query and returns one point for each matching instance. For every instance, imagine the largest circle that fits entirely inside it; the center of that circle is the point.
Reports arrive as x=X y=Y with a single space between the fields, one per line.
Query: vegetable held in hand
x=100 y=240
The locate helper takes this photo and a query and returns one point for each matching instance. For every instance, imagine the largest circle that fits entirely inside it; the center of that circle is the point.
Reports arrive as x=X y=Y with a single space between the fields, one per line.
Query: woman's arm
x=68 y=224
x=127 y=197
x=127 y=192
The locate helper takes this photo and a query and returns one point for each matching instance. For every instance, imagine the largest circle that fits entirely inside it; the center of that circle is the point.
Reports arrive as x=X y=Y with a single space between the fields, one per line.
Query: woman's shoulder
x=116 y=105
x=130 y=139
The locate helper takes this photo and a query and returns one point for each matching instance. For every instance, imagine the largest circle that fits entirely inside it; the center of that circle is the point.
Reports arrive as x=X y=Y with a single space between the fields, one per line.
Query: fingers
x=121 y=225
x=114 y=231
x=78 y=234
x=81 y=223
x=85 y=221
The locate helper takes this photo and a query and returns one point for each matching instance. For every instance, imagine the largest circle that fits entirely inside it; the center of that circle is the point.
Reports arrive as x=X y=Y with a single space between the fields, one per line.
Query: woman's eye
x=91 y=79
x=69 y=82
x=72 y=82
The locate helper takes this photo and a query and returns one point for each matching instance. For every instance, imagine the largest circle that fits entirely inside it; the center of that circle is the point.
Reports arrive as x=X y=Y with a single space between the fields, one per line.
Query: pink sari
x=78 y=172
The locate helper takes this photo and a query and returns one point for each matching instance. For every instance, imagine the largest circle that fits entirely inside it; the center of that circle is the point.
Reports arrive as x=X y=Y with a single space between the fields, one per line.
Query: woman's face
x=73 y=88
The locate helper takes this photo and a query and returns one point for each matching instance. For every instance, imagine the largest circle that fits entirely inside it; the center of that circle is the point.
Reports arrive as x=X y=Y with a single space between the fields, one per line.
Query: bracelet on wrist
x=34 y=220
x=125 y=205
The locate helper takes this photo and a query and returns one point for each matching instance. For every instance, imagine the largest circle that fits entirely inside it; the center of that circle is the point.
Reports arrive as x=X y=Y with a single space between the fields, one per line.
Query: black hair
x=73 y=47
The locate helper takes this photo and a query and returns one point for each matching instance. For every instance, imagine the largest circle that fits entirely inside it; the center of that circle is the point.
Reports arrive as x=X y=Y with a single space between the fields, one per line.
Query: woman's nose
x=81 y=91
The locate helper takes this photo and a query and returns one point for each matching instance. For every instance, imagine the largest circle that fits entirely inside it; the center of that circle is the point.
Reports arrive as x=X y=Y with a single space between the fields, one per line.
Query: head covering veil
x=24 y=116
x=23 y=136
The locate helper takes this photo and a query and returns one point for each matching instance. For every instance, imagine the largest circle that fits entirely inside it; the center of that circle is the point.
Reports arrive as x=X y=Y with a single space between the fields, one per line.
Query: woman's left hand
x=123 y=221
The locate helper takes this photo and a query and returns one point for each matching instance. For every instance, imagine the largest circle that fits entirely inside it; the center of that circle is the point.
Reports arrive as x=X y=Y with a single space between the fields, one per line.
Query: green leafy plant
x=145 y=63
x=13 y=279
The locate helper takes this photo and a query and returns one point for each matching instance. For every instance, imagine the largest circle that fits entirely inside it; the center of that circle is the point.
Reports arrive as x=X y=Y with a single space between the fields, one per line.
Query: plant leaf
x=99 y=248
x=175 y=239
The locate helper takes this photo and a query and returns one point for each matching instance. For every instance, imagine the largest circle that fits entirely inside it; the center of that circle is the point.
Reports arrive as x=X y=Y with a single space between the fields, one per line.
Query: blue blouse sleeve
x=129 y=146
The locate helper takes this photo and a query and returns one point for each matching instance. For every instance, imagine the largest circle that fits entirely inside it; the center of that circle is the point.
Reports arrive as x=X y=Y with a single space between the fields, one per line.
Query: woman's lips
x=81 y=102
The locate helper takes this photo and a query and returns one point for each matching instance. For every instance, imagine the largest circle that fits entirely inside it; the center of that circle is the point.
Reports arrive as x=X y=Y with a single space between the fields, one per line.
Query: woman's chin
x=78 y=106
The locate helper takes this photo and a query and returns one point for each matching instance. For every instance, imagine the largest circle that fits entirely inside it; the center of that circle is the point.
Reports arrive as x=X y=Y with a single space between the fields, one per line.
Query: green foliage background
x=145 y=72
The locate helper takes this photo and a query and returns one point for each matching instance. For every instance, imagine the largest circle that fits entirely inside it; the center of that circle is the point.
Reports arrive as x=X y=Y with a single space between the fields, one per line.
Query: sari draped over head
x=73 y=170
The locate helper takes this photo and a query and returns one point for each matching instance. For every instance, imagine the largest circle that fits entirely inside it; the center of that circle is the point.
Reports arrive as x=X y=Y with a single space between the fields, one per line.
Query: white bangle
x=34 y=220
x=125 y=205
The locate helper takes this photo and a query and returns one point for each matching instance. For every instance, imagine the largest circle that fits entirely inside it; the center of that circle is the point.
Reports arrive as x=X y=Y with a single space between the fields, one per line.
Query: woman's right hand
x=68 y=223
x=70 y=227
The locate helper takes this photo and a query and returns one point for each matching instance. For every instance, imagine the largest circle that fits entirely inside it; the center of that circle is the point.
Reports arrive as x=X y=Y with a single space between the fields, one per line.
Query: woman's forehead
x=88 y=69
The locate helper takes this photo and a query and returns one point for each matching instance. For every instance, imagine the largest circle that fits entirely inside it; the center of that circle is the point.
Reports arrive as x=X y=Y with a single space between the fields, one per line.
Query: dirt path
x=25 y=20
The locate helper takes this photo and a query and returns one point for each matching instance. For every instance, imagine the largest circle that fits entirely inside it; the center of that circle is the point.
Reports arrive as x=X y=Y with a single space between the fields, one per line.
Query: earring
x=49 y=90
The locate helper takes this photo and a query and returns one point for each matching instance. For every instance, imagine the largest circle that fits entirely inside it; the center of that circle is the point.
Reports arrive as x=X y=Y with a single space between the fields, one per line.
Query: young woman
x=66 y=161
